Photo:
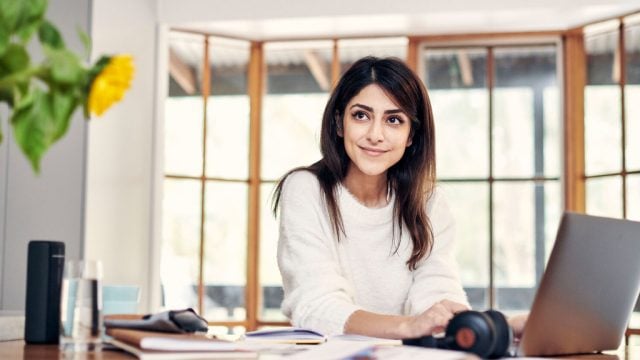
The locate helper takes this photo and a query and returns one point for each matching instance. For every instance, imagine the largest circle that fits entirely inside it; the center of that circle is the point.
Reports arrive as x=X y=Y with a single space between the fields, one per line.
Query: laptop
x=588 y=290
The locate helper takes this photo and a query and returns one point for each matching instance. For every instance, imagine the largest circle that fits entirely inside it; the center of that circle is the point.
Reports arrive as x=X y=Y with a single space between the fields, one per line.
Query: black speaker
x=45 y=263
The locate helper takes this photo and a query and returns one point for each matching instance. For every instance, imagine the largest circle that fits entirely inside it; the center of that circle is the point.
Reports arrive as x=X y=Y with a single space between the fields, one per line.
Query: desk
x=16 y=349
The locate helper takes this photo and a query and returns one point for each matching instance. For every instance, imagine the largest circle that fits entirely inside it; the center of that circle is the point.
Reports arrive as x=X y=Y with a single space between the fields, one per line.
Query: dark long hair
x=411 y=179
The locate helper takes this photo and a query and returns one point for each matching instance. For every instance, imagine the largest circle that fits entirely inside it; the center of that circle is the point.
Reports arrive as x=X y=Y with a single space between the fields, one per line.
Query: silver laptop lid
x=588 y=289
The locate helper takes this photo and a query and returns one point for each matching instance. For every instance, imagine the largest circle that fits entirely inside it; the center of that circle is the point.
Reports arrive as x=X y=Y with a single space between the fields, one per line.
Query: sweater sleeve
x=436 y=277
x=316 y=294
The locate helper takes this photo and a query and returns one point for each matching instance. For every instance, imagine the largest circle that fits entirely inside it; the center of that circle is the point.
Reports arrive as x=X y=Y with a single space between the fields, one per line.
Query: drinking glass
x=81 y=306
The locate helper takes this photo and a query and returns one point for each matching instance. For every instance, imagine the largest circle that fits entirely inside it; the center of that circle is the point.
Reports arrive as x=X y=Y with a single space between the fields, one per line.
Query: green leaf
x=62 y=104
x=4 y=39
x=32 y=13
x=34 y=10
x=22 y=17
x=86 y=41
x=26 y=31
x=33 y=127
x=11 y=13
x=65 y=66
x=14 y=59
x=49 y=35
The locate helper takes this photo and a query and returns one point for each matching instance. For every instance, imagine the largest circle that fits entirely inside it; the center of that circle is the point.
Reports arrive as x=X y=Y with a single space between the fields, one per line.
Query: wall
x=48 y=206
x=120 y=162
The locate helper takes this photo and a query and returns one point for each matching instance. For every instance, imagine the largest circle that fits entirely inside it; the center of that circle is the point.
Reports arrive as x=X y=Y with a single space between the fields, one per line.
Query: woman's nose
x=375 y=132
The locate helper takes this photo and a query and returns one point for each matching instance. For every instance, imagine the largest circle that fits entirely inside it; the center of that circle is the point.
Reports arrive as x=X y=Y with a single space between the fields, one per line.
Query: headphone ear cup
x=471 y=331
x=503 y=334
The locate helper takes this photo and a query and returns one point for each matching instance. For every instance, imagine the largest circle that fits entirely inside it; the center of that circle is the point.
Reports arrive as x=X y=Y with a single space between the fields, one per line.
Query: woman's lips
x=372 y=151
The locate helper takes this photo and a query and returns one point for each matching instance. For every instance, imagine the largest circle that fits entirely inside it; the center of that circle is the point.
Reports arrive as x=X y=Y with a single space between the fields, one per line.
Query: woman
x=366 y=243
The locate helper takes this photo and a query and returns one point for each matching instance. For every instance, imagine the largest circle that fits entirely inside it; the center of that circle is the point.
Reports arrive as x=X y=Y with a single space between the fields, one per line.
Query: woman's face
x=375 y=131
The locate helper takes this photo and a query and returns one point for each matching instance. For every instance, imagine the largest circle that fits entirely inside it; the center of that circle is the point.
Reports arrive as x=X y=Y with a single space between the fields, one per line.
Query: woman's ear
x=410 y=139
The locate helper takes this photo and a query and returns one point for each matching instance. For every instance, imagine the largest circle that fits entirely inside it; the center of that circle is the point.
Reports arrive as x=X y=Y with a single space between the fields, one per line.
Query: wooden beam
x=206 y=87
x=335 y=64
x=182 y=73
x=575 y=80
x=466 y=71
x=413 y=53
x=319 y=68
x=255 y=87
x=487 y=36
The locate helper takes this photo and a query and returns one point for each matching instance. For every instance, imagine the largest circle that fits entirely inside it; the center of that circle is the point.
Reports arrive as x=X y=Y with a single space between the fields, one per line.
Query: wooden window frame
x=624 y=172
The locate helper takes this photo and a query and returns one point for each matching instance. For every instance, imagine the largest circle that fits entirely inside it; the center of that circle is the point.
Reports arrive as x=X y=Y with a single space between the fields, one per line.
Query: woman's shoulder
x=300 y=180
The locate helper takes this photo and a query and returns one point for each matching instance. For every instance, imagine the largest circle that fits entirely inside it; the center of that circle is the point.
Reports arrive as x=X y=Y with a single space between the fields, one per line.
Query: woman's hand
x=433 y=320
x=517 y=324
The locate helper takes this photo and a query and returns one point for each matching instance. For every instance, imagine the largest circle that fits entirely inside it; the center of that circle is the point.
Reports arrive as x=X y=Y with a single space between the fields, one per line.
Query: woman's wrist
x=405 y=328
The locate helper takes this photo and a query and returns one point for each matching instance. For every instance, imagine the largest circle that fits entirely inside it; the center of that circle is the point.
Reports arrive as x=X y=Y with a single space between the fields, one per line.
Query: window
x=497 y=117
x=612 y=121
x=204 y=248
x=612 y=95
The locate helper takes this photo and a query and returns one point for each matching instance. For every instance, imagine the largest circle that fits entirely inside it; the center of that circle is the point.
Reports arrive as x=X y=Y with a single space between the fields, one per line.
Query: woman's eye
x=360 y=115
x=395 y=120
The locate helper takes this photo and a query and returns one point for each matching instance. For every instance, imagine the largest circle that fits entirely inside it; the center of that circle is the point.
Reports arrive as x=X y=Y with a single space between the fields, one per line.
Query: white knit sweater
x=326 y=280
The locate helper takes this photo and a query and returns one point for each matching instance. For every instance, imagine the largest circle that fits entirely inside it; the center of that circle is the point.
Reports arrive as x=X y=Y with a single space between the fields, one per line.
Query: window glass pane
x=225 y=253
x=604 y=196
x=455 y=80
x=298 y=78
x=270 y=280
x=552 y=133
x=515 y=233
x=633 y=197
x=180 y=243
x=184 y=108
x=602 y=129
x=350 y=50
x=632 y=96
x=228 y=110
x=513 y=132
x=632 y=131
x=470 y=207
x=602 y=106
x=521 y=76
x=525 y=225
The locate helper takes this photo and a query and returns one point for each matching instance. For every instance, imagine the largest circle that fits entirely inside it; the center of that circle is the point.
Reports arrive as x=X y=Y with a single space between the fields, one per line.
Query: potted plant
x=43 y=95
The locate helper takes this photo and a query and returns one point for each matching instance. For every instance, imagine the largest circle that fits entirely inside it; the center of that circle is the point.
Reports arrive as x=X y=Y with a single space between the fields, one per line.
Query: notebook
x=588 y=290
x=158 y=345
x=289 y=335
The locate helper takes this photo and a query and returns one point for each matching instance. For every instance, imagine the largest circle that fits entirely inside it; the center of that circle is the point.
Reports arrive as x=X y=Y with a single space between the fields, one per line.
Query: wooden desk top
x=17 y=349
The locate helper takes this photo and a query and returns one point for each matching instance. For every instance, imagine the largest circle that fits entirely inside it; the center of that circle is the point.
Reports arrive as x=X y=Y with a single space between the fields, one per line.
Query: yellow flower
x=110 y=84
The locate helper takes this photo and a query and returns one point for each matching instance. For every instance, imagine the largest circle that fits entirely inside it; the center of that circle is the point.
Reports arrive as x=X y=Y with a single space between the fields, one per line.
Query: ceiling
x=285 y=19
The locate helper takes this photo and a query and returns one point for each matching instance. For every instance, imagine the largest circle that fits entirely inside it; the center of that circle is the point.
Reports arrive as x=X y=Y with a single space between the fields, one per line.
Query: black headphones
x=486 y=334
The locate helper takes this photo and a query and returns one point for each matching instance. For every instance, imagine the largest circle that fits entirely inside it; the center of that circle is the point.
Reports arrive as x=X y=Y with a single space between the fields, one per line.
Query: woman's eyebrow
x=370 y=109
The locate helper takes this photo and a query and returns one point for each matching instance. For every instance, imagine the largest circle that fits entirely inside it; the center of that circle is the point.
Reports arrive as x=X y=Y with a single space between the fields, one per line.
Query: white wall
x=48 y=206
x=120 y=157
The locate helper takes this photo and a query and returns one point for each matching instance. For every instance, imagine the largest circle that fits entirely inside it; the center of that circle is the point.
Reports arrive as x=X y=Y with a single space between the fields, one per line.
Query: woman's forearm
x=431 y=321
x=377 y=325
